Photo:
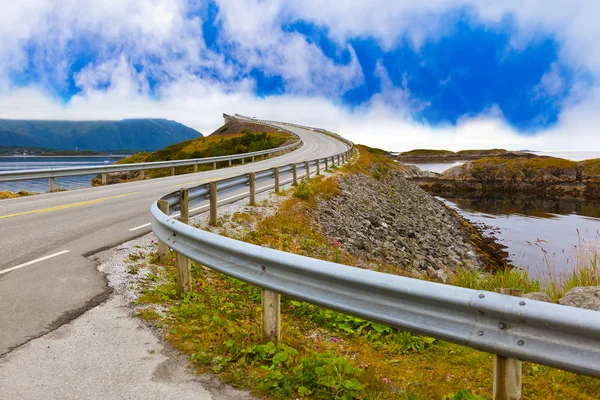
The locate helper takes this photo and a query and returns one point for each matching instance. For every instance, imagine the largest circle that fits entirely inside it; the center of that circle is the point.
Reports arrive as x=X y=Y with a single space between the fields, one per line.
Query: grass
x=13 y=195
x=326 y=354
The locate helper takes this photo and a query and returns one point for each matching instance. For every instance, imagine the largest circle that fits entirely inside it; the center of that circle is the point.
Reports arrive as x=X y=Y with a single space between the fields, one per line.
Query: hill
x=248 y=138
x=137 y=134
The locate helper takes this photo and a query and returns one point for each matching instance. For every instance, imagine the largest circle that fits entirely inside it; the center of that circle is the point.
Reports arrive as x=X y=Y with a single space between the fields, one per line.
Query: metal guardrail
x=51 y=173
x=550 y=334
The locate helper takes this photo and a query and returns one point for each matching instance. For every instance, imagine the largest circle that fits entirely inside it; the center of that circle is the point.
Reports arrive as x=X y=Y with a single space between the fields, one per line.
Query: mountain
x=132 y=134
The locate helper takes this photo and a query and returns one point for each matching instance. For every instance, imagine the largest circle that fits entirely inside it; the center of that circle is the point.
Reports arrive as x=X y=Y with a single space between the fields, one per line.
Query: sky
x=399 y=75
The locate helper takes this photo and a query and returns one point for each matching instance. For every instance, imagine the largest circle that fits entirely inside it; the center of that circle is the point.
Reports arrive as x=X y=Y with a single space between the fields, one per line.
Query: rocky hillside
x=127 y=134
x=549 y=176
x=237 y=127
x=427 y=155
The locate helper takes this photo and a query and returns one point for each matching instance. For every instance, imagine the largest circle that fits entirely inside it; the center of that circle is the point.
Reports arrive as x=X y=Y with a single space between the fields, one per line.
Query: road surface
x=46 y=277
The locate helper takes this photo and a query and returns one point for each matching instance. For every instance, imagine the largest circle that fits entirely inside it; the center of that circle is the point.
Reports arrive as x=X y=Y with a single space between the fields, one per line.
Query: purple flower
x=385 y=380
x=334 y=339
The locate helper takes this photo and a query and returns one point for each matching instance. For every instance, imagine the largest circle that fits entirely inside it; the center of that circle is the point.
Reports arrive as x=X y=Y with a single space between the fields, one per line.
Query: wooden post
x=318 y=166
x=252 y=158
x=294 y=175
x=184 y=206
x=184 y=274
x=271 y=321
x=326 y=164
x=215 y=165
x=338 y=159
x=242 y=161
x=332 y=161
x=163 y=249
x=142 y=174
x=172 y=171
x=51 y=184
x=230 y=163
x=507 y=371
x=104 y=179
x=276 y=178
x=195 y=167
x=307 y=166
x=213 y=203
x=252 y=178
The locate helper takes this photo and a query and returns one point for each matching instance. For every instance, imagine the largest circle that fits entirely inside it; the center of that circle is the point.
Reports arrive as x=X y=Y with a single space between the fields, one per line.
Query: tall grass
x=580 y=270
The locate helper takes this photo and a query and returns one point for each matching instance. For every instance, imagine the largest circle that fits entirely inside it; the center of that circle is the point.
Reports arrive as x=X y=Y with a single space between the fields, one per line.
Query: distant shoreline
x=97 y=156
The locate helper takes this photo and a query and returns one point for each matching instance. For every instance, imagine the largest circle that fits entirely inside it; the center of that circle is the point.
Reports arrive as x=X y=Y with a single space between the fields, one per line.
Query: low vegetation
x=325 y=354
x=426 y=154
x=211 y=146
x=12 y=195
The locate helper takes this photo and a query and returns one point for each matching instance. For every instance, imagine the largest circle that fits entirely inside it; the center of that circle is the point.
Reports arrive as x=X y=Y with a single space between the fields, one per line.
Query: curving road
x=46 y=277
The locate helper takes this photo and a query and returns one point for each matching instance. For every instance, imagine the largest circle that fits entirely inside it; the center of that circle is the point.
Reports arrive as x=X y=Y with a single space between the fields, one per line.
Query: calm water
x=41 y=185
x=537 y=232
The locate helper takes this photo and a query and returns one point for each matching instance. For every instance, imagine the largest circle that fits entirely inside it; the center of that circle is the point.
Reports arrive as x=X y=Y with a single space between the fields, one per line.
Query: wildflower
x=334 y=339
x=385 y=380
x=292 y=307
x=297 y=328
x=174 y=260
x=253 y=305
x=251 y=333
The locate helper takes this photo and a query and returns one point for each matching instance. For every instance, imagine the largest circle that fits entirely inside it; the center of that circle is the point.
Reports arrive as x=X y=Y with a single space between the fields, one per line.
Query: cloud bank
x=397 y=75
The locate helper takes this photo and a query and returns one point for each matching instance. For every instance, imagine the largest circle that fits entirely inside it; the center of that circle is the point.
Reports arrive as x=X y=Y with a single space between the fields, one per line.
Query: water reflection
x=540 y=233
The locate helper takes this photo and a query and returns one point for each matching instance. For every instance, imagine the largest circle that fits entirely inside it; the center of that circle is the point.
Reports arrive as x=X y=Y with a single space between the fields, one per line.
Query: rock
x=587 y=297
x=538 y=296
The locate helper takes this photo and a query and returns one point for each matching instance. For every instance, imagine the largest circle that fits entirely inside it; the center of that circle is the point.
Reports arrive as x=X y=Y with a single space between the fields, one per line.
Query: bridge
x=49 y=238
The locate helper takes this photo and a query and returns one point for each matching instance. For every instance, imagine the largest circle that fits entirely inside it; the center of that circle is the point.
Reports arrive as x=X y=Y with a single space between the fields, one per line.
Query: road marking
x=65 y=206
x=34 y=261
x=140 y=227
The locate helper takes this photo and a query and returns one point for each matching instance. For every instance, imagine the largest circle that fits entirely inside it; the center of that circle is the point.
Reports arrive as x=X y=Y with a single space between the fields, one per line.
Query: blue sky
x=441 y=71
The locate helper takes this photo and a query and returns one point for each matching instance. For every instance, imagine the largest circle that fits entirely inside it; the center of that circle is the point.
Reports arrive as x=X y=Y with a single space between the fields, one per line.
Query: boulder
x=587 y=297
x=538 y=296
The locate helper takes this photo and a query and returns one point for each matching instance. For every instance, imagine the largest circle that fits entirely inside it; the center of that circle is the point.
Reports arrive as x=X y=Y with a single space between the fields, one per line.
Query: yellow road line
x=65 y=206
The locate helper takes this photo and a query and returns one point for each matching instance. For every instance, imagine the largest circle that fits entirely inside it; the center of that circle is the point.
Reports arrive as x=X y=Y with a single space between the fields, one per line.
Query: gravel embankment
x=394 y=221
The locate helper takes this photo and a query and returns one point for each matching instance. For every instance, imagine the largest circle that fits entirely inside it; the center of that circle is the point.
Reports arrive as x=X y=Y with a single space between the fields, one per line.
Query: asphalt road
x=46 y=277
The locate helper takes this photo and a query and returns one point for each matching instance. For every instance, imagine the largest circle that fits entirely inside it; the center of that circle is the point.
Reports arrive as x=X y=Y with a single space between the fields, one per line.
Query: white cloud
x=141 y=31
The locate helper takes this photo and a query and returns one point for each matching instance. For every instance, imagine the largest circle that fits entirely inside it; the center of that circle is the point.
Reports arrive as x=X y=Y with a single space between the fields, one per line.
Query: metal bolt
x=263 y=268
x=481 y=296
x=501 y=325
x=520 y=342
x=521 y=303
x=480 y=333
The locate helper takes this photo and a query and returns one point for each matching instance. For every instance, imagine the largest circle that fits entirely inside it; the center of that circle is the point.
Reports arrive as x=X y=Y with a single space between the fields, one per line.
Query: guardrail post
x=307 y=166
x=252 y=179
x=104 y=179
x=172 y=171
x=184 y=274
x=338 y=159
x=213 y=203
x=318 y=162
x=195 y=167
x=326 y=164
x=276 y=178
x=142 y=174
x=252 y=158
x=163 y=249
x=271 y=321
x=230 y=163
x=51 y=184
x=507 y=371
x=215 y=165
x=294 y=175
x=332 y=161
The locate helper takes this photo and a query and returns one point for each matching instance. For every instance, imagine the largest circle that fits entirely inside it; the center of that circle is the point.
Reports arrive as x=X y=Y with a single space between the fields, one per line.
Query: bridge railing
x=52 y=173
x=510 y=327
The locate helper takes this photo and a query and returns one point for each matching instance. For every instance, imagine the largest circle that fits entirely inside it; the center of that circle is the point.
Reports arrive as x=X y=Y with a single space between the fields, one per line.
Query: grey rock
x=587 y=297
x=539 y=296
